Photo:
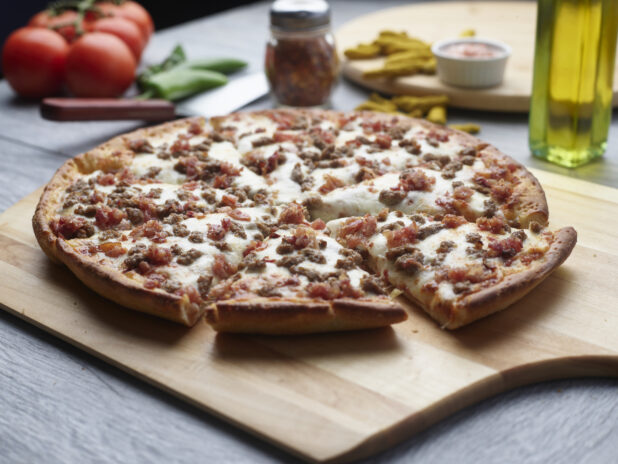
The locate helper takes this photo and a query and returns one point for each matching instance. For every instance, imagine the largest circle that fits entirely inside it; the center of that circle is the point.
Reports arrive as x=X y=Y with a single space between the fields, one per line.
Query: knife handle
x=106 y=109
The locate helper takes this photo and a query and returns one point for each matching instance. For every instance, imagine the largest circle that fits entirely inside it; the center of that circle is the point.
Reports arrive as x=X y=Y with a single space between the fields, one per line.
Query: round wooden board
x=510 y=22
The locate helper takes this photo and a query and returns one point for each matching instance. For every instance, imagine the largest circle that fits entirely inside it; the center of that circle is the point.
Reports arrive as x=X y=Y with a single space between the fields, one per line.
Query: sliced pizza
x=457 y=271
x=159 y=218
x=299 y=280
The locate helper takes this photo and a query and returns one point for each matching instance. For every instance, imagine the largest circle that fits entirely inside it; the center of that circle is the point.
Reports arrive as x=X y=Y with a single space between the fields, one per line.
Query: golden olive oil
x=571 y=105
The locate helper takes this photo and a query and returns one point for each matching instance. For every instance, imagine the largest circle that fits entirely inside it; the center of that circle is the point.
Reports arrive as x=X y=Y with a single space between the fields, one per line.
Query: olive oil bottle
x=571 y=105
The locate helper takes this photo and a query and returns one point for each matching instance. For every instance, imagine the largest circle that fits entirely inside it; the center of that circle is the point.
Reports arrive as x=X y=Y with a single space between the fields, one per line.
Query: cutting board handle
x=106 y=109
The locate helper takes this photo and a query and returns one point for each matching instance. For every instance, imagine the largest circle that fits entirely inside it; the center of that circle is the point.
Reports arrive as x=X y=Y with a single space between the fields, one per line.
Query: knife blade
x=232 y=96
x=223 y=100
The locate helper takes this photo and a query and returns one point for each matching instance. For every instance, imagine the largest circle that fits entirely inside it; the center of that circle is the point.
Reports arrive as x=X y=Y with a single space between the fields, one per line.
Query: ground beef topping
x=372 y=284
x=391 y=197
x=189 y=257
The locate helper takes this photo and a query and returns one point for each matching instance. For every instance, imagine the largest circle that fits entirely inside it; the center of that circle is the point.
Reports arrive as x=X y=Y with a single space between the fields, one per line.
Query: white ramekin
x=471 y=72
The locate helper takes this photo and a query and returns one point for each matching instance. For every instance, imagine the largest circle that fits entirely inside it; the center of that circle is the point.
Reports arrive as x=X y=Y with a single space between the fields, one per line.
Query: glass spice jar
x=301 y=60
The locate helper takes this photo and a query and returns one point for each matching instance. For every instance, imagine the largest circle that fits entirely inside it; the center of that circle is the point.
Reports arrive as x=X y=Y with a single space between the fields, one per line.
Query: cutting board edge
x=555 y=368
x=494 y=384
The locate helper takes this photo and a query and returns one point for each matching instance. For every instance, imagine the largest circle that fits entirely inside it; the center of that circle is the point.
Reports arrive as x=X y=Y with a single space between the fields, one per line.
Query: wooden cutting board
x=337 y=397
x=511 y=22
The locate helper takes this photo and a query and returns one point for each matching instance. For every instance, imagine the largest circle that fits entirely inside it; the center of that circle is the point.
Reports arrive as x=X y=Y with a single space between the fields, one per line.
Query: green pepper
x=175 y=58
x=178 y=83
x=222 y=65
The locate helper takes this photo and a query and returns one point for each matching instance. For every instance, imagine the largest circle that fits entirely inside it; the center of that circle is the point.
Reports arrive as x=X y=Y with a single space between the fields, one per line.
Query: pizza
x=457 y=270
x=299 y=221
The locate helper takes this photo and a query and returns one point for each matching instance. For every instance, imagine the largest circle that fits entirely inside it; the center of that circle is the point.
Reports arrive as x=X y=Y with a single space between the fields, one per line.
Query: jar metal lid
x=291 y=15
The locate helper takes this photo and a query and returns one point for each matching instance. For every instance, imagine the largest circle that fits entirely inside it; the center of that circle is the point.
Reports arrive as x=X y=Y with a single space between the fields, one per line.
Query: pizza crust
x=289 y=316
x=512 y=288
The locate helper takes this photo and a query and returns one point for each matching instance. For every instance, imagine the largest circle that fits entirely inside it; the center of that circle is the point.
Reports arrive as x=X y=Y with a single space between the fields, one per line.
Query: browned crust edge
x=298 y=316
x=511 y=289
x=108 y=283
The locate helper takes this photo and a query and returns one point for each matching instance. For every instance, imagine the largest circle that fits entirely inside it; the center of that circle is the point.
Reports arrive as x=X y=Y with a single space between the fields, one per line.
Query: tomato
x=99 y=65
x=34 y=60
x=125 y=30
x=63 y=23
x=44 y=19
x=138 y=14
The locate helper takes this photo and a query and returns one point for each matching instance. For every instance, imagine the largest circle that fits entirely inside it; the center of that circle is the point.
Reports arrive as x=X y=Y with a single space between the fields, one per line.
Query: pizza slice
x=161 y=267
x=457 y=271
x=300 y=280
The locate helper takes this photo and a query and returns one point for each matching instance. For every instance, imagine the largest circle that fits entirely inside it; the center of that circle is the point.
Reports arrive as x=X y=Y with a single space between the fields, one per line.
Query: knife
x=223 y=100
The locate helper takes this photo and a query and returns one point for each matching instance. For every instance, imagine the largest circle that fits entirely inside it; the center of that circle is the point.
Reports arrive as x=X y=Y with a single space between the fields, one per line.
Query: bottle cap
x=294 y=15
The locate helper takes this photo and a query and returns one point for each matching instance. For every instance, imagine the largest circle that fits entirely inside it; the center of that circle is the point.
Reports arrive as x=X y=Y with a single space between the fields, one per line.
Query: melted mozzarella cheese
x=363 y=198
x=273 y=272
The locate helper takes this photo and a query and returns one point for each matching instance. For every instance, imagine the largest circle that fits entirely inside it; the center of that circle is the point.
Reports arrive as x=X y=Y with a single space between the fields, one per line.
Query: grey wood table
x=59 y=405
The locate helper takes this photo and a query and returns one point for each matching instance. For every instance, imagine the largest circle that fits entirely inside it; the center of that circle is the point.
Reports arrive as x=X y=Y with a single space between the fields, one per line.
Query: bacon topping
x=474 y=273
x=506 y=248
x=112 y=249
x=292 y=214
x=152 y=230
x=415 y=179
x=462 y=193
x=383 y=141
x=239 y=215
x=303 y=237
x=332 y=289
x=106 y=179
x=451 y=221
x=501 y=191
x=318 y=224
x=221 y=268
x=71 y=227
x=195 y=128
x=229 y=200
x=403 y=236
x=158 y=256
x=216 y=232
x=355 y=231
x=495 y=225
x=106 y=217
x=330 y=184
